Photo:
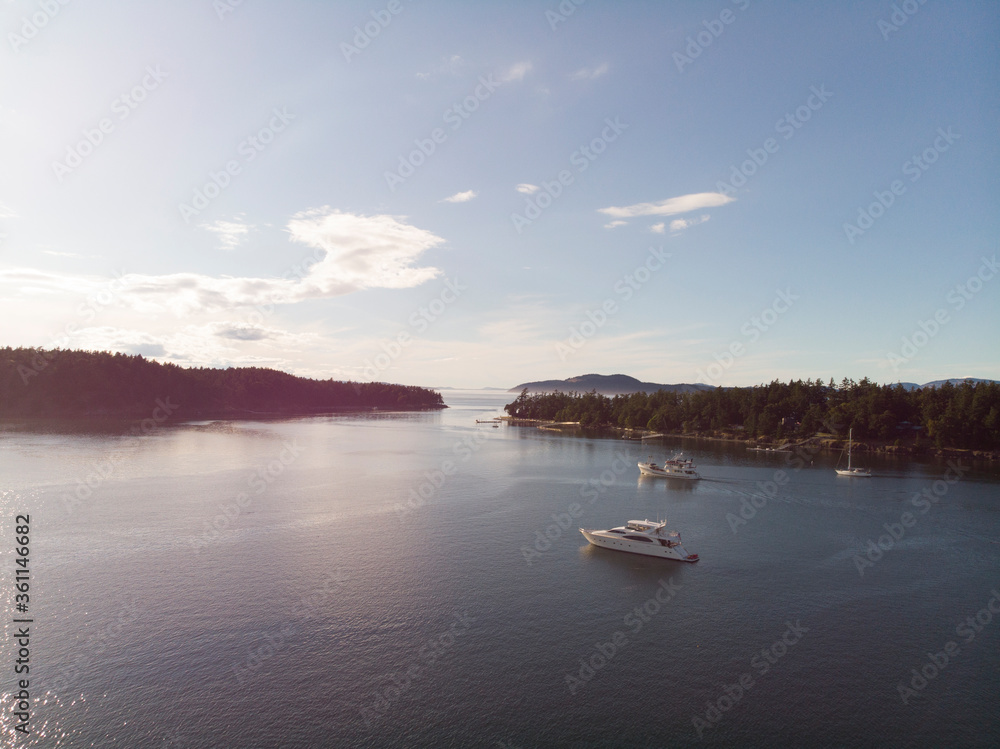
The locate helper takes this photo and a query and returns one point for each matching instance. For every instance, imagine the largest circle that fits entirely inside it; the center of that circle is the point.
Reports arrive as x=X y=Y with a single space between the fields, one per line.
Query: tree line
x=75 y=384
x=958 y=416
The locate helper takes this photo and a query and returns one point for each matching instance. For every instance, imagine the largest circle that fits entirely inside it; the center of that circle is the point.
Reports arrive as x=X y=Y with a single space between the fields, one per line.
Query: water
x=323 y=610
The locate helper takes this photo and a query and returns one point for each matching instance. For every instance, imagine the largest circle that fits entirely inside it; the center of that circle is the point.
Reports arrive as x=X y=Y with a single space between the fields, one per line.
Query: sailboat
x=862 y=473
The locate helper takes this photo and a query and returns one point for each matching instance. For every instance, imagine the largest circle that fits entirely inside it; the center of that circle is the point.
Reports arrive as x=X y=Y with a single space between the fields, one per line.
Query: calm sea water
x=398 y=580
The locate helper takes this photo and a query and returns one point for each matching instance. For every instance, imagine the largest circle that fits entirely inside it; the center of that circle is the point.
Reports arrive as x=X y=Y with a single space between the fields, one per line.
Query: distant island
x=616 y=384
x=103 y=385
x=948 y=416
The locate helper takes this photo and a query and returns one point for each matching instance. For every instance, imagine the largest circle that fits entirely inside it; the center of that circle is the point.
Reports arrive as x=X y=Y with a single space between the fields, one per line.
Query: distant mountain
x=954 y=381
x=939 y=383
x=617 y=384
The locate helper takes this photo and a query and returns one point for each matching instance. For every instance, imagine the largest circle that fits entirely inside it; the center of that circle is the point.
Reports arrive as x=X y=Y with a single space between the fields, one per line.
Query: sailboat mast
x=850 y=435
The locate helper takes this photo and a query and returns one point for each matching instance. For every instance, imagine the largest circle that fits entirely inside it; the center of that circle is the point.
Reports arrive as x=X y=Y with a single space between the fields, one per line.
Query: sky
x=482 y=194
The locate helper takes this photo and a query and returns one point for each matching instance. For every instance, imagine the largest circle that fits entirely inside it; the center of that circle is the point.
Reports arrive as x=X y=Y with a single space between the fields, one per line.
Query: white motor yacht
x=642 y=537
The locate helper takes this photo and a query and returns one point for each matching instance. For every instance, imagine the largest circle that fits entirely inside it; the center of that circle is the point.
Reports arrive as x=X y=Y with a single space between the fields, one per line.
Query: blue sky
x=490 y=193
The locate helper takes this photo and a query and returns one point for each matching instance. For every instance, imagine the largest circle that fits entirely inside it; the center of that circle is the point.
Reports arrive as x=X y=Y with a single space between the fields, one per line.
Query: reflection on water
x=227 y=581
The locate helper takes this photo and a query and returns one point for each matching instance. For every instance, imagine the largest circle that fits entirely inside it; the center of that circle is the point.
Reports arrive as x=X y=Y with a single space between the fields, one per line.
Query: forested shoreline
x=102 y=385
x=965 y=416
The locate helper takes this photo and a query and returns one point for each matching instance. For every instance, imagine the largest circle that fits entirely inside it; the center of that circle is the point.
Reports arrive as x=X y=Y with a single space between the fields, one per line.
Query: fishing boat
x=861 y=473
x=674 y=468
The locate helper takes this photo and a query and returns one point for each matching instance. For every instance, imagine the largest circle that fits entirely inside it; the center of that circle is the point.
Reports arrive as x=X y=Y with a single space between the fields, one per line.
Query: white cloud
x=108 y=338
x=241 y=331
x=32 y=282
x=362 y=251
x=614 y=224
x=681 y=224
x=461 y=197
x=516 y=72
x=215 y=344
x=527 y=189
x=231 y=233
x=353 y=252
x=588 y=74
x=670 y=206
x=6 y=211
x=659 y=228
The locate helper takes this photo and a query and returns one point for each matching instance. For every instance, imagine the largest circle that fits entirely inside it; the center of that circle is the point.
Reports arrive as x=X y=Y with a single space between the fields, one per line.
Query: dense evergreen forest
x=74 y=384
x=953 y=416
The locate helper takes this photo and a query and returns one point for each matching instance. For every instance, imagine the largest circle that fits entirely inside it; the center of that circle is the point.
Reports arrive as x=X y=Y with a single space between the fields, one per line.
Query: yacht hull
x=647 y=548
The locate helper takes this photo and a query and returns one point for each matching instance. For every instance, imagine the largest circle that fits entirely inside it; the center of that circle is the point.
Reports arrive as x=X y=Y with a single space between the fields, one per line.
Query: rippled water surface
x=407 y=580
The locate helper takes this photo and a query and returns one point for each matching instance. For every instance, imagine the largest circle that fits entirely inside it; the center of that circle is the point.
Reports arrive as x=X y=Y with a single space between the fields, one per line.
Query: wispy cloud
x=680 y=224
x=30 y=282
x=589 y=73
x=231 y=233
x=614 y=224
x=523 y=321
x=461 y=197
x=516 y=72
x=213 y=344
x=527 y=189
x=450 y=65
x=670 y=206
x=242 y=331
x=359 y=252
x=6 y=211
x=659 y=228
